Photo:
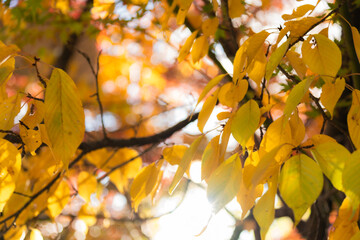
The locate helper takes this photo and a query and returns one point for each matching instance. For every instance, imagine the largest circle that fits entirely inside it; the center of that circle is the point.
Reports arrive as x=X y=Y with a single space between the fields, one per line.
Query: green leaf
x=331 y=157
x=351 y=180
x=295 y=96
x=275 y=59
x=301 y=181
x=245 y=122
x=64 y=116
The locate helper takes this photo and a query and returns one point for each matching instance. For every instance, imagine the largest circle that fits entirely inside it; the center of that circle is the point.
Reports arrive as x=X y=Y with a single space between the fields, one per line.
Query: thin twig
x=41 y=79
x=97 y=94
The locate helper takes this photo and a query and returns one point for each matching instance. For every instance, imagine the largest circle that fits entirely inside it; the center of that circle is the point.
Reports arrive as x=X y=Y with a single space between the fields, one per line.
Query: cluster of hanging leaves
x=35 y=171
x=283 y=159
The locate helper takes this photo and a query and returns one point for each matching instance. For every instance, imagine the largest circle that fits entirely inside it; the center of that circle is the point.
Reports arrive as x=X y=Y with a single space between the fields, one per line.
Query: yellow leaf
x=6 y=70
x=210 y=26
x=300 y=184
x=245 y=122
x=277 y=135
x=353 y=118
x=35 y=235
x=236 y=8
x=144 y=183
x=59 y=199
x=87 y=214
x=215 y=5
x=174 y=154
x=212 y=83
x=331 y=93
x=297 y=129
x=256 y=69
x=298 y=12
x=199 y=49
x=239 y=62
x=64 y=116
x=299 y=27
x=10 y=162
x=224 y=182
x=185 y=163
x=264 y=210
x=266 y=168
x=210 y=158
x=350 y=177
x=297 y=63
x=322 y=56
x=319 y=139
x=87 y=185
x=231 y=94
x=275 y=59
x=331 y=157
x=34 y=115
x=255 y=42
x=184 y=6
x=140 y=2
x=356 y=40
x=345 y=226
x=15 y=233
x=207 y=109
x=9 y=108
x=7 y=52
x=246 y=197
x=295 y=96
x=225 y=136
x=223 y=115
x=185 y=49
x=31 y=139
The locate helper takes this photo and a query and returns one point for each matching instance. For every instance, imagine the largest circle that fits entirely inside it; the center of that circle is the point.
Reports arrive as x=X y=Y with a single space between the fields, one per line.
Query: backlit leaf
x=64 y=116
x=199 y=49
x=275 y=59
x=321 y=55
x=212 y=83
x=207 y=109
x=331 y=157
x=10 y=162
x=353 y=118
x=185 y=163
x=145 y=183
x=264 y=210
x=210 y=158
x=245 y=122
x=224 y=182
x=209 y=26
x=345 y=226
x=297 y=129
x=59 y=199
x=9 y=108
x=6 y=70
x=35 y=235
x=174 y=154
x=331 y=93
x=231 y=94
x=351 y=180
x=236 y=8
x=87 y=185
x=297 y=63
x=300 y=184
x=185 y=49
x=298 y=12
x=295 y=96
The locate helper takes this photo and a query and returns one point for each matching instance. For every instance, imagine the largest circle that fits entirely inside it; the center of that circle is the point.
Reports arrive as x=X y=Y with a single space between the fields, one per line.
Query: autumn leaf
x=331 y=93
x=64 y=116
x=300 y=184
x=224 y=182
x=353 y=118
x=245 y=122
x=322 y=56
